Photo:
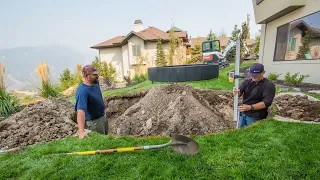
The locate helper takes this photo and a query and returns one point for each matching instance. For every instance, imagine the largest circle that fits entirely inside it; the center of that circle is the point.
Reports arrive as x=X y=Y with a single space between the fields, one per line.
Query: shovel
x=180 y=144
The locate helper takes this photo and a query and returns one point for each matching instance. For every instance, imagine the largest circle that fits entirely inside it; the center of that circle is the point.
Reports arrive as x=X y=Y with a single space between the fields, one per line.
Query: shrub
x=294 y=80
x=273 y=76
x=9 y=103
x=47 y=89
x=107 y=71
x=140 y=78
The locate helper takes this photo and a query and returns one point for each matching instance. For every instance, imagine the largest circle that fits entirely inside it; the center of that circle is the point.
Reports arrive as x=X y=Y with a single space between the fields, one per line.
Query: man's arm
x=81 y=122
x=268 y=95
x=81 y=107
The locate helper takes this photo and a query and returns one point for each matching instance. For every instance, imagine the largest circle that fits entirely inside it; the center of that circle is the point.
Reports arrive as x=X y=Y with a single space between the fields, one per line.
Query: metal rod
x=236 y=84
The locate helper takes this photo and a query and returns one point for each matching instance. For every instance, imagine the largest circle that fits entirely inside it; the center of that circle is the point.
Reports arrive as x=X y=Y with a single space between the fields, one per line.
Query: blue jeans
x=246 y=120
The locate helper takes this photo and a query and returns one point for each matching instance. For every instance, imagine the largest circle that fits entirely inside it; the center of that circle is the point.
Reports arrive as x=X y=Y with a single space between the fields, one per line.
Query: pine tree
x=256 y=45
x=243 y=40
x=305 y=47
x=235 y=35
x=66 y=79
x=211 y=35
x=173 y=46
x=161 y=58
x=196 y=54
x=248 y=26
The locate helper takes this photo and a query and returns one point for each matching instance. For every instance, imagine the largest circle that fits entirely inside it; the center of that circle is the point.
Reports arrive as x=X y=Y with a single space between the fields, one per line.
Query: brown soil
x=39 y=122
x=117 y=105
x=298 y=108
x=176 y=109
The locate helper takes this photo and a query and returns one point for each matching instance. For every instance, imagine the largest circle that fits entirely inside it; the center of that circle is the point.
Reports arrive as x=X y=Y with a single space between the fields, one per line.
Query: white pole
x=236 y=83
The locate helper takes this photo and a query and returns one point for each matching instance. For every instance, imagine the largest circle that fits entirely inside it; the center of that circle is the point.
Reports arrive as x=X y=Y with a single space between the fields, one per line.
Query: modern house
x=289 y=27
x=124 y=51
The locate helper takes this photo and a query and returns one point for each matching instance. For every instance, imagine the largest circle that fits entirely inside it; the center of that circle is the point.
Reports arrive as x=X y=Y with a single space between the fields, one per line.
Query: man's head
x=90 y=74
x=256 y=72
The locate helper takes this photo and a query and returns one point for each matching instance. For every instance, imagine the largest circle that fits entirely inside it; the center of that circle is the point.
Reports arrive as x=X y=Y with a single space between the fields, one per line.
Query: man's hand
x=244 y=108
x=82 y=134
x=235 y=91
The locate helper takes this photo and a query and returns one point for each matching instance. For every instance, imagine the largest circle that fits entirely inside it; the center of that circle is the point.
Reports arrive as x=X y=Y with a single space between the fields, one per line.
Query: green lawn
x=221 y=83
x=266 y=150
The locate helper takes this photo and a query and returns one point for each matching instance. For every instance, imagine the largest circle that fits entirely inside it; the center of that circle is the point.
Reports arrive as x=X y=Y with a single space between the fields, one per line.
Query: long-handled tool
x=179 y=143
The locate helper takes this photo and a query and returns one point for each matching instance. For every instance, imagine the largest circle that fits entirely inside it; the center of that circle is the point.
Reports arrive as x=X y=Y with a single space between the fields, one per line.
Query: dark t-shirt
x=255 y=92
x=89 y=99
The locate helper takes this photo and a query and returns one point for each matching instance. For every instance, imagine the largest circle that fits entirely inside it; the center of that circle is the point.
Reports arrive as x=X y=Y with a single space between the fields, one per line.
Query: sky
x=84 y=23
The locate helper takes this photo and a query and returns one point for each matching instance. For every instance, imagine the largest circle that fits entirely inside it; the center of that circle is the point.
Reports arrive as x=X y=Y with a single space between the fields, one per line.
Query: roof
x=175 y=29
x=223 y=41
x=148 y=34
x=304 y=26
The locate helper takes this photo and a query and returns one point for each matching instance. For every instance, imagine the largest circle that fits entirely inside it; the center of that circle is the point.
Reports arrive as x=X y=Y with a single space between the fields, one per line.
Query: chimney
x=138 y=26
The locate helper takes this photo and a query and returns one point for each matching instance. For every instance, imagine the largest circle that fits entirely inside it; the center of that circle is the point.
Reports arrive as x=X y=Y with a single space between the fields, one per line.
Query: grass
x=266 y=150
x=221 y=83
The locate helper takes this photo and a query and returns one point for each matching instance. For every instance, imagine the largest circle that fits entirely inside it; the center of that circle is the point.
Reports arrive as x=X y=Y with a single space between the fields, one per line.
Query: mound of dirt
x=117 y=105
x=40 y=122
x=298 y=108
x=176 y=109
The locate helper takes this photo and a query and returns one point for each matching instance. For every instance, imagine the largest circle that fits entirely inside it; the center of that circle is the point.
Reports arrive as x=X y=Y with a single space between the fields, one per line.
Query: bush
x=140 y=78
x=273 y=76
x=9 y=103
x=294 y=80
x=49 y=90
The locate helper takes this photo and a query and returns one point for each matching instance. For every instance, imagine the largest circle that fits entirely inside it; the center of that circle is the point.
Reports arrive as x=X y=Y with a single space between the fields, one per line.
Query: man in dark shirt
x=89 y=104
x=258 y=94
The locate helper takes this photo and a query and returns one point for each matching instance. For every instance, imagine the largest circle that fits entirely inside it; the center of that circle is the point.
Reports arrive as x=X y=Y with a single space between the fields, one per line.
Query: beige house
x=124 y=51
x=286 y=25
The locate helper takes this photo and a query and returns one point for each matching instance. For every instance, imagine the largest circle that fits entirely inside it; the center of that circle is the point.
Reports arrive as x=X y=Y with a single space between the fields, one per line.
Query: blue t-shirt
x=89 y=99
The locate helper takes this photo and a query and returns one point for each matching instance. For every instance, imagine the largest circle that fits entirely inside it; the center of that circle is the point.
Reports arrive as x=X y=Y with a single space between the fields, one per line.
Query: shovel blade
x=184 y=145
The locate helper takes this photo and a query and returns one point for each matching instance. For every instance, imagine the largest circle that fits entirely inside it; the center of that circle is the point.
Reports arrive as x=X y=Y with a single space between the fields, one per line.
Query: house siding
x=268 y=41
x=151 y=50
x=113 y=55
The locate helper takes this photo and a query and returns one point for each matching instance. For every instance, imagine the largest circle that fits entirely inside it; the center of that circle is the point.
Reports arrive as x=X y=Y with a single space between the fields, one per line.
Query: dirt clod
x=40 y=122
x=176 y=109
x=298 y=108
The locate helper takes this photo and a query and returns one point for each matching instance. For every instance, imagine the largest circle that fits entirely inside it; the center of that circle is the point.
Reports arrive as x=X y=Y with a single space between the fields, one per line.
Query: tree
x=222 y=33
x=211 y=35
x=256 y=45
x=196 y=54
x=173 y=46
x=161 y=58
x=305 y=47
x=248 y=26
x=243 y=40
x=235 y=35
x=66 y=79
x=179 y=54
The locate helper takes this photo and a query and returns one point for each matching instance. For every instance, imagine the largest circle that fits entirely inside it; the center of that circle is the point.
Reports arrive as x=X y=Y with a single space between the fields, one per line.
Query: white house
x=122 y=51
x=285 y=26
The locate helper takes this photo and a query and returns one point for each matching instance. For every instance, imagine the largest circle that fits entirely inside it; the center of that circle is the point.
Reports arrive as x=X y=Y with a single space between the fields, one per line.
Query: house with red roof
x=123 y=51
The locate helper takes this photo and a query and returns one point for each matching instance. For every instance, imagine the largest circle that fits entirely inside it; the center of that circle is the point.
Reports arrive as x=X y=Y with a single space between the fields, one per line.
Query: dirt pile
x=40 y=122
x=176 y=109
x=298 y=108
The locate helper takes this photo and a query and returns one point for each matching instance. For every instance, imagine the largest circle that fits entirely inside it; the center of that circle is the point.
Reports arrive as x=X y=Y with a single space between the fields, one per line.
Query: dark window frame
x=258 y=2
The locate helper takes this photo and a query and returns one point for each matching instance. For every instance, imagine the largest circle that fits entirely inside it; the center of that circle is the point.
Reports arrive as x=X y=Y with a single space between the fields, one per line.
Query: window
x=299 y=39
x=136 y=49
x=211 y=46
x=293 y=44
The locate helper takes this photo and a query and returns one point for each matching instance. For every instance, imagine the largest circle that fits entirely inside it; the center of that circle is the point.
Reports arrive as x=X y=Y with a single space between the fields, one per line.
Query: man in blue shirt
x=89 y=104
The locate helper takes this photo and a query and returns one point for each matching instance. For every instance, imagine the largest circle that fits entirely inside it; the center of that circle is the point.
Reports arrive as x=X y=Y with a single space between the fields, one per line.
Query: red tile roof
x=149 y=34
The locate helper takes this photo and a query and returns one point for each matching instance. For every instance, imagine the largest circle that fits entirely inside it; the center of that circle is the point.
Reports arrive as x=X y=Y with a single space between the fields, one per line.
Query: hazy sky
x=83 y=23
